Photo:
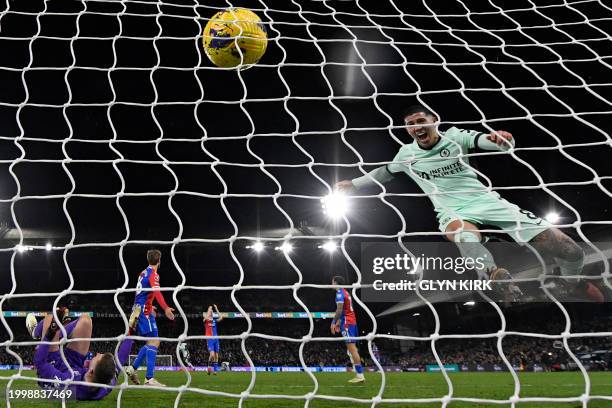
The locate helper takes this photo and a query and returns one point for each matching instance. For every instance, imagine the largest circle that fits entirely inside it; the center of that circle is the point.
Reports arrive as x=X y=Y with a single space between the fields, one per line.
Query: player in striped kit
x=142 y=319
x=210 y=329
x=436 y=163
x=345 y=322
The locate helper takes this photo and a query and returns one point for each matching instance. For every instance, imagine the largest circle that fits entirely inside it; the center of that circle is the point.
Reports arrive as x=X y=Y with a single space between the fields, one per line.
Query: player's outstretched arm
x=498 y=140
x=218 y=313
x=380 y=174
x=344 y=186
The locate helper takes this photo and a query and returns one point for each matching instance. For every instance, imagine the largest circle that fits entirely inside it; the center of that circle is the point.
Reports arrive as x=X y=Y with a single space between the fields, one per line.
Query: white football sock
x=470 y=247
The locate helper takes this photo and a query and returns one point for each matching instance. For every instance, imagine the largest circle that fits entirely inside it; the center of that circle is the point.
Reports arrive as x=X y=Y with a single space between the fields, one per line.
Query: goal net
x=119 y=136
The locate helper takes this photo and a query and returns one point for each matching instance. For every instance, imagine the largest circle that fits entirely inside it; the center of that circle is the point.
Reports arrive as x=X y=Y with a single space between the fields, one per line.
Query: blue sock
x=359 y=368
x=151 y=356
x=215 y=366
x=141 y=355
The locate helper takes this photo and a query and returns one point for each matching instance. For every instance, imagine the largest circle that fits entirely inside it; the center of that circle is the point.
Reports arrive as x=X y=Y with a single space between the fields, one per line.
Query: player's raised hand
x=168 y=312
x=344 y=186
x=500 y=137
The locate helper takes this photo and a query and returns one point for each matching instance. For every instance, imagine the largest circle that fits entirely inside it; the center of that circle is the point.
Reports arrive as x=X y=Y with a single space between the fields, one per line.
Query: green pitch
x=399 y=385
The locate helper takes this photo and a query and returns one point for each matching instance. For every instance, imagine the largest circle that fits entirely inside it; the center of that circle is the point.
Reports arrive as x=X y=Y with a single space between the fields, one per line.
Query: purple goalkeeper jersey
x=51 y=366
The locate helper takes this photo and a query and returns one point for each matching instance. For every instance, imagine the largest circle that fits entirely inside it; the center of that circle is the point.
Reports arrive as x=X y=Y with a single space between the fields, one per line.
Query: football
x=235 y=37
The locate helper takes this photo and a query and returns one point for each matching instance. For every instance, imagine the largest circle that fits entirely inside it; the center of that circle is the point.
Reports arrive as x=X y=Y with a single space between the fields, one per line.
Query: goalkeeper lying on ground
x=50 y=366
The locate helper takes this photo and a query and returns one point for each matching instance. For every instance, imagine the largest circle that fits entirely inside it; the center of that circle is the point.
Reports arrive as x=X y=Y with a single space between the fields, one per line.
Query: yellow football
x=235 y=37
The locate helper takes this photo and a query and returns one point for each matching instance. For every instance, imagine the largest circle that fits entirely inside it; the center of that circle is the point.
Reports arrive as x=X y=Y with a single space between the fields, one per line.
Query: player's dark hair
x=411 y=110
x=338 y=280
x=104 y=372
x=153 y=256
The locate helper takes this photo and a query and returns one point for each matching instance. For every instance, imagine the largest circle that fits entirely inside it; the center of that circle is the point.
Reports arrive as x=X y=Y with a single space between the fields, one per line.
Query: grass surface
x=499 y=386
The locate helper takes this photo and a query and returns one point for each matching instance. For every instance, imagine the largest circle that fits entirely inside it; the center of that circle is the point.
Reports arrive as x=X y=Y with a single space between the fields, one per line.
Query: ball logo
x=444 y=153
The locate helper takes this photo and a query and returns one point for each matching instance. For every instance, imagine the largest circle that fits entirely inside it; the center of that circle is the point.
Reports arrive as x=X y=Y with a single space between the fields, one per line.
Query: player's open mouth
x=421 y=136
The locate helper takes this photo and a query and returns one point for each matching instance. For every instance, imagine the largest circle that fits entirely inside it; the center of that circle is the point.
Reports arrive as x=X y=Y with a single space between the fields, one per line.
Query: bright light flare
x=470 y=303
x=335 y=205
x=48 y=246
x=286 y=247
x=552 y=217
x=329 y=246
x=257 y=246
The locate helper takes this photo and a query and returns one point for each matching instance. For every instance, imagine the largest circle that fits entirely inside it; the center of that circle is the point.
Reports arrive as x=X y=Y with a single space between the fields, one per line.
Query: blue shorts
x=350 y=331
x=213 y=345
x=146 y=326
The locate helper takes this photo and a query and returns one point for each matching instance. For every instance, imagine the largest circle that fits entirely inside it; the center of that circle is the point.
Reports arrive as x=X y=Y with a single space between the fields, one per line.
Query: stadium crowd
x=519 y=350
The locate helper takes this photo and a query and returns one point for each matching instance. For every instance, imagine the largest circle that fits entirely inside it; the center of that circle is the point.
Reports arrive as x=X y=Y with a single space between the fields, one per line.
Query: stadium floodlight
x=552 y=217
x=22 y=248
x=286 y=247
x=329 y=246
x=48 y=246
x=334 y=205
x=470 y=303
x=257 y=246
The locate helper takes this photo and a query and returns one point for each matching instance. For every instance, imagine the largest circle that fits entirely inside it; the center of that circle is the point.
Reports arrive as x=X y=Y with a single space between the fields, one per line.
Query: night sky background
x=111 y=109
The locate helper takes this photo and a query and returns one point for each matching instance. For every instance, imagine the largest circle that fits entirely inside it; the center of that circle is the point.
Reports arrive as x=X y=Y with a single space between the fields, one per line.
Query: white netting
x=111 y=106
